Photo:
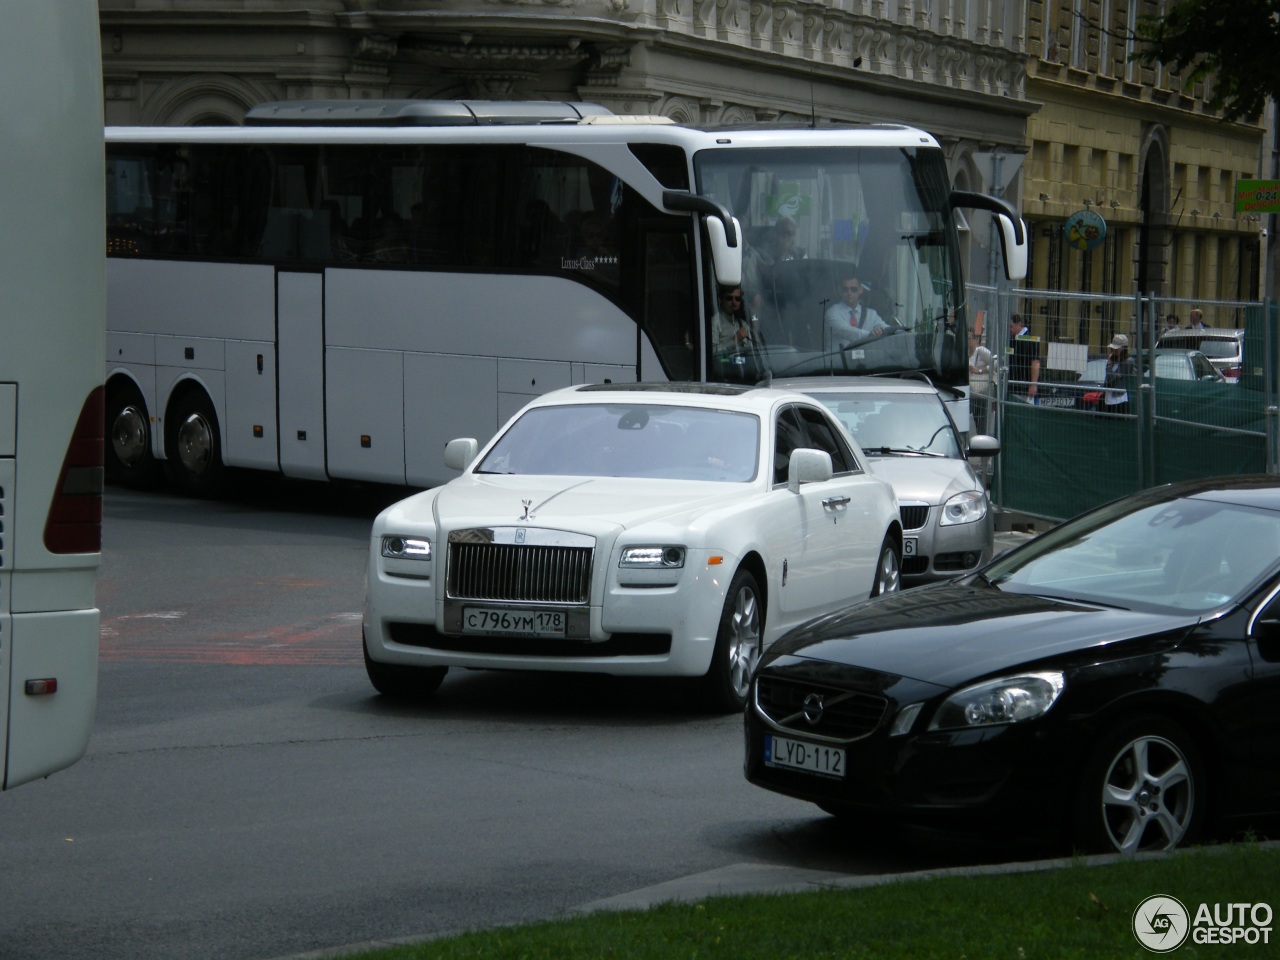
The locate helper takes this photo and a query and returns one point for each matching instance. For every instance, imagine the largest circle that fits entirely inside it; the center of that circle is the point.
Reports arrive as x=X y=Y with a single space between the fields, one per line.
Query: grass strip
x=1082 y=910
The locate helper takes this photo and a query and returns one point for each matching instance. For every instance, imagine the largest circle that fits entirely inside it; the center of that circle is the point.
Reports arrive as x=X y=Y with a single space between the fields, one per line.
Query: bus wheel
x=129 y=461
x=195 y=447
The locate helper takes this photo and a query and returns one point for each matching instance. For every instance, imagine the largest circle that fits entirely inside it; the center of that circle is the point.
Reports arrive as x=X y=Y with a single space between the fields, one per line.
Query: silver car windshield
x=1191 y=554
x=900 y=424
x=629 y=440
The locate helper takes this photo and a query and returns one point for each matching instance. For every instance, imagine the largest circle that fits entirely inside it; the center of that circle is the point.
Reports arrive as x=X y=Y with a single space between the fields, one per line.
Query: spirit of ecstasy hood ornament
x=527 y=504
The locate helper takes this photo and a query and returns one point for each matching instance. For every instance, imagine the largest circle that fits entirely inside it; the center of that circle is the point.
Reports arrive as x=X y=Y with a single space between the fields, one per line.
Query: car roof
x=1208 y=333
x=723 y=396
x=814 y=385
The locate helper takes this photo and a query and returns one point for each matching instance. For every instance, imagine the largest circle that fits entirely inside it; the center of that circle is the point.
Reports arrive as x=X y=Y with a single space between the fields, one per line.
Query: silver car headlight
x=967 y=507
x=653 y=558
x=406 y=548
x=1006 y=700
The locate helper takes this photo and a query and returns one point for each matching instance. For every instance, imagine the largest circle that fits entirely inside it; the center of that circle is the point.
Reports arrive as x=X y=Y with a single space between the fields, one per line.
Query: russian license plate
x=798 y=755
x=909 y=546
x=513 y=623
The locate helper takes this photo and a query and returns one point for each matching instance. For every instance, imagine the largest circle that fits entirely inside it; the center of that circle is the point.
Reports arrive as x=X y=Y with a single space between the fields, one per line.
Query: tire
x=1143 y=790
x=739 y=643
x=888 y=568
x=401 y=681
x=194 y=447
x=127 y=453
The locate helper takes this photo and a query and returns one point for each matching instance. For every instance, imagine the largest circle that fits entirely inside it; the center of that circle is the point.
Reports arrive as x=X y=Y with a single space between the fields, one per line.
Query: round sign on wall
x=1084 y=230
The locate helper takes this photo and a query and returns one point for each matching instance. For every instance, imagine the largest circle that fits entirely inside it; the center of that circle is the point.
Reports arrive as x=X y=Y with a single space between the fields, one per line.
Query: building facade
x=1139 y=148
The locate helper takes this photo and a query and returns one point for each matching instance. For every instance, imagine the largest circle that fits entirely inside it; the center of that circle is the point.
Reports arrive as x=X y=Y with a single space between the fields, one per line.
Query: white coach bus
x=336 y=288
x=51 y=355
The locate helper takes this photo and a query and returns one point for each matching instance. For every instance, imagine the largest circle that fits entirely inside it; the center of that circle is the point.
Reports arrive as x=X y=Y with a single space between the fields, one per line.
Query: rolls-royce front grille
x=816 y=710
x=519 y=573
x=914 y=515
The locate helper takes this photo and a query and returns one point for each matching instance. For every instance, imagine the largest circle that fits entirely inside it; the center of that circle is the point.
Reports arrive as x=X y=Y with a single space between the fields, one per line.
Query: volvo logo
x=813 y=708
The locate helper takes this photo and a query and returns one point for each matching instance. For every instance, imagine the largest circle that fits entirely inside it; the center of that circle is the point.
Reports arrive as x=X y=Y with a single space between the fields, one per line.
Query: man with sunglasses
x=850 y=320
x=730 y=331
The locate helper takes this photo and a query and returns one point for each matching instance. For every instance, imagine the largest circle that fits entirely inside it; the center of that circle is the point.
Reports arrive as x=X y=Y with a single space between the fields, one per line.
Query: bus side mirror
x=723 y=232
x=1013 y=232
x=1015 y=249
x=727 y=259
x=459 y=453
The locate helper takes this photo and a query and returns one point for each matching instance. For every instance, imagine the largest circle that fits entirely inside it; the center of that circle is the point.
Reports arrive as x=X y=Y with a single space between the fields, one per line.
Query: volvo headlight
x=1006 y=700
x=966 y=507
x=653 y=558
x=406 y=548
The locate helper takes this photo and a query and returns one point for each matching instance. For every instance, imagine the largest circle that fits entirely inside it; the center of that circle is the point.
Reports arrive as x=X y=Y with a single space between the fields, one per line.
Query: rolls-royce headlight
x=406 y=548
x=1006 y=700
x=653 y=558
x=966 y=507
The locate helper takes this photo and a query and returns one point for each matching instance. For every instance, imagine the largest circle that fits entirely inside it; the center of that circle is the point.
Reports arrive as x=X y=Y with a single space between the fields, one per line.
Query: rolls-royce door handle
x=835 y=504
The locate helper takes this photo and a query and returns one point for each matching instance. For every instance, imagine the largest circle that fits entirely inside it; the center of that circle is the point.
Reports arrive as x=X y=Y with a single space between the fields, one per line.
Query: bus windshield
x=850 y=263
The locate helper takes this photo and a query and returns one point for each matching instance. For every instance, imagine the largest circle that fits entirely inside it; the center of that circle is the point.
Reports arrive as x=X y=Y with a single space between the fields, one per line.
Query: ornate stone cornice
x=855 y=35
x=466 y=51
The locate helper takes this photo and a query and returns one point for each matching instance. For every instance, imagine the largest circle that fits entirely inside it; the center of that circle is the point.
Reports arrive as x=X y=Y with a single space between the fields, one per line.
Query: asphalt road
x=246 y=794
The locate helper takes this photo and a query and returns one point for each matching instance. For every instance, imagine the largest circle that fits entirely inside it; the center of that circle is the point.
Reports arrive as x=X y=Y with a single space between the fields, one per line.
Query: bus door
x=671 y=324
x=300 y=353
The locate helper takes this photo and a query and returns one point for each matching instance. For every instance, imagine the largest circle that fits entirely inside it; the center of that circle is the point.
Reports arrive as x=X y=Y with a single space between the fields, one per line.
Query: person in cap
x=1120 y=367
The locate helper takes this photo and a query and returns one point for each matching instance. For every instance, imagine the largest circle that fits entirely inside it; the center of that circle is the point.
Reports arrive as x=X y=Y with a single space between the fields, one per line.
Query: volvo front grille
x=817 y=710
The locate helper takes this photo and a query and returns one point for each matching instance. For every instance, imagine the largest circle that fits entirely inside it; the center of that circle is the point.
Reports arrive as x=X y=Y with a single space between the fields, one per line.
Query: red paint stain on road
x=170 y=637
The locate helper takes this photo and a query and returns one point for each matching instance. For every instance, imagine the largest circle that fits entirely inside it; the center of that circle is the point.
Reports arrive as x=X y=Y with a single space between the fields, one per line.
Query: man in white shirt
x=849 y=320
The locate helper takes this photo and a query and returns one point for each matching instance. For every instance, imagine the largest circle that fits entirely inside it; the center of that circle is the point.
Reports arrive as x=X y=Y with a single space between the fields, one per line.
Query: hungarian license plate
x=798 y=755
x=909 y=546
x=513 y=623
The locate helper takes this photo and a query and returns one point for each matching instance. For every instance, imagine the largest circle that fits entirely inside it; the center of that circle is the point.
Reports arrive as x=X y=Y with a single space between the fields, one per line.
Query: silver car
x=912 y=442
x=1223 y=348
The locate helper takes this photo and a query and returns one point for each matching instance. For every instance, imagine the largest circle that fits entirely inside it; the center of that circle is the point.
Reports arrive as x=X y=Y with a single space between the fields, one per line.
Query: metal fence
x=1079 y=442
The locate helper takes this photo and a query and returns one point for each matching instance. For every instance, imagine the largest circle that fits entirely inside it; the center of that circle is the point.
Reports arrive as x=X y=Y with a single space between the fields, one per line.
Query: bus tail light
x=74 y=523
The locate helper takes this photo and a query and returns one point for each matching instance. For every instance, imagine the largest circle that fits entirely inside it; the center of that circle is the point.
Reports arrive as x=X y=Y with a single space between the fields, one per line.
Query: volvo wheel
x=1143 y=790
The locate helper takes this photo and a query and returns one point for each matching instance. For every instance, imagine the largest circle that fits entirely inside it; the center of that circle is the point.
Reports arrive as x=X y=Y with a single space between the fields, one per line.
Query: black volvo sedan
x=1113 y=684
